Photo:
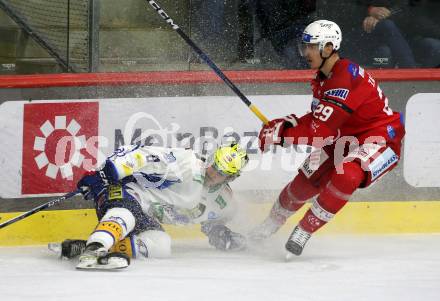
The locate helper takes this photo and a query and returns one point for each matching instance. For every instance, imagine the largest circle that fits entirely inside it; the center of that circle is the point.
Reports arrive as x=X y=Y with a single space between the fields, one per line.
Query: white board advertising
x=48 y=145
x=422 y=140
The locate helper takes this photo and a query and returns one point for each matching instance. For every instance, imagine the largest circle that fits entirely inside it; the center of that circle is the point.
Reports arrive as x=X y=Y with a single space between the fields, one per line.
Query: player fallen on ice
x=355 y=135
x=139 y=188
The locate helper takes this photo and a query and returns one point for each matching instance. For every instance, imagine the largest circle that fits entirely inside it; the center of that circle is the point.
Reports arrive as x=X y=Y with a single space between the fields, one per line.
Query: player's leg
x=146 y=244
x=360 y=168
x=333 y=196
x=295 y=194
x=148 y=240
x=116 y=210
x=152 y=244
x=292 y=197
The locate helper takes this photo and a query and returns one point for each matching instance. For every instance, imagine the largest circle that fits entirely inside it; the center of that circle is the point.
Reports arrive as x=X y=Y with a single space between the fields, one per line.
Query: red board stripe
x=195 y=77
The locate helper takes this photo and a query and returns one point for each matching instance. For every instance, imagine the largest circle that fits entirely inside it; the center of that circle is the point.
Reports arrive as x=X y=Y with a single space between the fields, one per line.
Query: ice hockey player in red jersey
x=355 y=135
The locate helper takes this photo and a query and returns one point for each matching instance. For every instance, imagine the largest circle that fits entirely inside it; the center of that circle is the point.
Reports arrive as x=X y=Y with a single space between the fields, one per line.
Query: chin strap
x=324 y=59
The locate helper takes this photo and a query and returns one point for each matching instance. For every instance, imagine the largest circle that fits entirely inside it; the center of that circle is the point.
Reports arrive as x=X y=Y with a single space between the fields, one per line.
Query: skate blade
x=113 y=264
x=289 y=256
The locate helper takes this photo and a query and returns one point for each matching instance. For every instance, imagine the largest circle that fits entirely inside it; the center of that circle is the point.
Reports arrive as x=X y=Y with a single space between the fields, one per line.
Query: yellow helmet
x=230 y=160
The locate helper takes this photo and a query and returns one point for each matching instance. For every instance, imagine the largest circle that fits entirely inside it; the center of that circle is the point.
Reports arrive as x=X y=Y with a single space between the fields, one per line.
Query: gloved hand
x=222 y=238
x=272 y=133
x=93 y=183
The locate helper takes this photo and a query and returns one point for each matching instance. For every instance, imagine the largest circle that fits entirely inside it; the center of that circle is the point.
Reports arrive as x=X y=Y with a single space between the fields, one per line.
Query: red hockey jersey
x=348 y=102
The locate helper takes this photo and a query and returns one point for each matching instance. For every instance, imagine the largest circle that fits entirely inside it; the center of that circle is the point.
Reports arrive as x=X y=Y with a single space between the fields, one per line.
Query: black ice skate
x=297 y=240
x=69 y=248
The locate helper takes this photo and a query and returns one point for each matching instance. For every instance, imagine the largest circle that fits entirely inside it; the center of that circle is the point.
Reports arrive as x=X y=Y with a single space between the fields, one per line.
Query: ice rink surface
x=392 y=267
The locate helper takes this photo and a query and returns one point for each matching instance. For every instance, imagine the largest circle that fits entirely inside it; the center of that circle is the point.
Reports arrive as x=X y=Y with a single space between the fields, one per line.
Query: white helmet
x=322 y=32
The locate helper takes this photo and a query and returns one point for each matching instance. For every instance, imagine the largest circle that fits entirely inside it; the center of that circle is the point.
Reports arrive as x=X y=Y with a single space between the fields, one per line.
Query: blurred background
x=52 y=36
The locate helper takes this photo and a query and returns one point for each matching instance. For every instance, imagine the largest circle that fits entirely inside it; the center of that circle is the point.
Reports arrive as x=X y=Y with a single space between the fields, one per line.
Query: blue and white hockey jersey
x=168 y=184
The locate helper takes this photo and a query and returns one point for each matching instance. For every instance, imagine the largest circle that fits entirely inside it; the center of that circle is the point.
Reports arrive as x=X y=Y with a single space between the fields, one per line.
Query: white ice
x=392 y=267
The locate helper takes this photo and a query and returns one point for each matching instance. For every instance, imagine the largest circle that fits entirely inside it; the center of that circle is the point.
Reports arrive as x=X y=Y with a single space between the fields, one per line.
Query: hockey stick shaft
x=208 y=61
x=39 y=208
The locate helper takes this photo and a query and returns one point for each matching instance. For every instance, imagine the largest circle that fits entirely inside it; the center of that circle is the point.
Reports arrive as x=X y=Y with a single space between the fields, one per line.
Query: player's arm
x=130 y=159
x=316 y=128
x=223 y=238
x=125 y=161
x=219 y=235
x=321 y=125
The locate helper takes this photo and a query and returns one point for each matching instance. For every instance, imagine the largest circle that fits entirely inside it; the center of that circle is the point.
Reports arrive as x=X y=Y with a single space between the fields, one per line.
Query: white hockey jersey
x=168 y=184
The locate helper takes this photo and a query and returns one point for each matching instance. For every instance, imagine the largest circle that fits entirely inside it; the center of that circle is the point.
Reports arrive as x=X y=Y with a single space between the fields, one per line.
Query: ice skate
x=69 y=248
x=297 y=240
x=95 y=257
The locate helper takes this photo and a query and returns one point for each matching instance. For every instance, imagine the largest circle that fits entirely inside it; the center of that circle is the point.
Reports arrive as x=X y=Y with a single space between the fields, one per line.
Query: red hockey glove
x=272 y=133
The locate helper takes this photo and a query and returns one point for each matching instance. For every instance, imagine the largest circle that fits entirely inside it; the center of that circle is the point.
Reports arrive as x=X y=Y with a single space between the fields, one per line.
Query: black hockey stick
x=39 y=208
x=208 y=61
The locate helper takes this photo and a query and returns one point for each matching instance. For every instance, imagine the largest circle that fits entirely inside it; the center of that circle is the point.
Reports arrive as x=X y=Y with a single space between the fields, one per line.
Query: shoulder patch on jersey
x=340 y=93
x=353 y=69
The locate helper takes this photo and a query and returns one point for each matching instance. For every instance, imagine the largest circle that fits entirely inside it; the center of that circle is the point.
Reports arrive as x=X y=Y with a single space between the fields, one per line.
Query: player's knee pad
x=113 y=227
x=152 y=244
x=349 y=179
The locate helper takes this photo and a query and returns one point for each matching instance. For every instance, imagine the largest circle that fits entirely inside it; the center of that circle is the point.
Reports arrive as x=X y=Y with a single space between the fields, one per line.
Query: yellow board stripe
x=355 y=218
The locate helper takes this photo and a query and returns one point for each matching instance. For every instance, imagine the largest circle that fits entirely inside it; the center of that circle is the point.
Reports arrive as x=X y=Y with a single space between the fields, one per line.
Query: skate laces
x=77 y=248
x=300 y=236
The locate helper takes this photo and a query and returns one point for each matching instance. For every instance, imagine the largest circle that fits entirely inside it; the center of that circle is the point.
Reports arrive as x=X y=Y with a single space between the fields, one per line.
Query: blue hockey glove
x=94 y=183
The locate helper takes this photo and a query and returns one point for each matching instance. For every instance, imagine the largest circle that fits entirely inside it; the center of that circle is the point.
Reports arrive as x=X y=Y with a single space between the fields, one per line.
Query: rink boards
x=355 y=218
x=33 y=108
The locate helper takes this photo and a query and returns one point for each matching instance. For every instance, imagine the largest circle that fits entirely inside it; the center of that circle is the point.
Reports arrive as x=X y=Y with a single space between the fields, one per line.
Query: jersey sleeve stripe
x=339 y=104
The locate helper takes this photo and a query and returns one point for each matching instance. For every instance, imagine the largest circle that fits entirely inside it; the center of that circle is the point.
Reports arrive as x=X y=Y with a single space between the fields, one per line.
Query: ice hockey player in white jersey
x=139 y=188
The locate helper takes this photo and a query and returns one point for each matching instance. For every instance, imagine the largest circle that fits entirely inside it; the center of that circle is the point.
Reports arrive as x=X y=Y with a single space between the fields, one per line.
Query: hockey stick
x=39 y=208
x=208 y=61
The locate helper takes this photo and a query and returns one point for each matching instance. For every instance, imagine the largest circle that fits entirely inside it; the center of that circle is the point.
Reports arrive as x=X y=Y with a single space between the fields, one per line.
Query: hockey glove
x=272 y=133
x=93 y=183
x=222 y=238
